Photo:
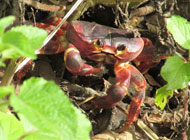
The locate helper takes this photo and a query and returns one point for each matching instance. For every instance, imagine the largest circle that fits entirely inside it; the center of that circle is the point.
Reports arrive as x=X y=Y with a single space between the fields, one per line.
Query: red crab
x=103 y=44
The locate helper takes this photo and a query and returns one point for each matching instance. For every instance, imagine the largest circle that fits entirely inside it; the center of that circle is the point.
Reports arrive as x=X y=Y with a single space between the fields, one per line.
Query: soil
x=147 y=19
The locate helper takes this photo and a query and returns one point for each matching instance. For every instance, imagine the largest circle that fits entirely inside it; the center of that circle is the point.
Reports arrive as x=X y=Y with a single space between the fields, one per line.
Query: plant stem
x=41 y=6
x=113 y=2
x=9 y=73
x=186 y=103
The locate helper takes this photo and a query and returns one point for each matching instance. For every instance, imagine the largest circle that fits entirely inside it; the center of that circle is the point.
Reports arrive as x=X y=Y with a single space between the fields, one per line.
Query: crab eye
x=121 y=47
x=98 y=43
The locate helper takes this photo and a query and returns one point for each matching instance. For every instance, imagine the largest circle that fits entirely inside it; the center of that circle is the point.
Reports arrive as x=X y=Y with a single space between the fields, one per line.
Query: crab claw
x=125 y=74
x=75 y=64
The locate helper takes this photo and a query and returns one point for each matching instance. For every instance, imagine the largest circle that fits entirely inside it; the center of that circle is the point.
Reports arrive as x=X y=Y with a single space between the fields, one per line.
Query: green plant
x=175 y=71
x=44 y=111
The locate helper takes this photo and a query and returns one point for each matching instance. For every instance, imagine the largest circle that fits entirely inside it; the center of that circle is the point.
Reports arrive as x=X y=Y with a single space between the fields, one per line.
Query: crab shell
x=103 y=44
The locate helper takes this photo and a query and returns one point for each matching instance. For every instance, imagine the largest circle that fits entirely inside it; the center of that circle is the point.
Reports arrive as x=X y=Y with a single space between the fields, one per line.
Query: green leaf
x=35 y=35
x=162 y=94
x=10 y=127
x=2 y=64
x=176 y=73
x=4 y=91
x=52 y=116
x=5 y=22
x=21 y=41
x=16 y=45
x=180 y=29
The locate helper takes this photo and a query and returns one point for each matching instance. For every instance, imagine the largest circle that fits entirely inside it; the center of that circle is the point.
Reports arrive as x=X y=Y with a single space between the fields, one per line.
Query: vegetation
x=40 y=110
x=176 y=70
x=43 y=111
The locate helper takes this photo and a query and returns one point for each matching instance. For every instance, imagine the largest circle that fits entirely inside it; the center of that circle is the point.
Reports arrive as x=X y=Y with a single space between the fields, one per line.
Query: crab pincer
x=75 y=64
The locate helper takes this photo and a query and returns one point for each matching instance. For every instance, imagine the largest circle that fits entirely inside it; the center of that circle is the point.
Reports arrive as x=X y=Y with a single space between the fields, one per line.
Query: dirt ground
x=145 y=19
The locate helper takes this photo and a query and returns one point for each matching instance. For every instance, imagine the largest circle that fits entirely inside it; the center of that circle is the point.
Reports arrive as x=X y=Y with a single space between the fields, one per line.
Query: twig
x=41 y=6
x=62 y=21
x=147 y=130
x=55 y=30
x=185 y=115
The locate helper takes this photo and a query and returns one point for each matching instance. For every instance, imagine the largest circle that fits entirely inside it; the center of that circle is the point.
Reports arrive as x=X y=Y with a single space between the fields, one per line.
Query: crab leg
x=139 y=83
x=125 y=74
x=75 y=64
x=145 y=60
x=116 y=92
